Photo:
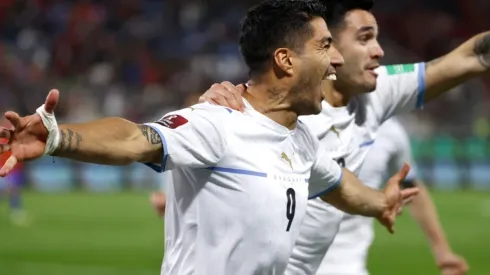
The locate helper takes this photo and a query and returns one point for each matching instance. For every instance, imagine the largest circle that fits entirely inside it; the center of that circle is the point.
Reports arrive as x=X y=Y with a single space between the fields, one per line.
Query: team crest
x=172 y=121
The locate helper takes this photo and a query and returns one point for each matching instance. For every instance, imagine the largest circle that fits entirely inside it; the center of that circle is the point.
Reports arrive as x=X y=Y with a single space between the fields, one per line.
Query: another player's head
x=355 y=30
x=287 y=45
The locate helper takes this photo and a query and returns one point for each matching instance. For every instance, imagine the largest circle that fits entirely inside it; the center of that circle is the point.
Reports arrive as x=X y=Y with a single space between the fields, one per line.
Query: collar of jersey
x=264 y=120
x=327 y=108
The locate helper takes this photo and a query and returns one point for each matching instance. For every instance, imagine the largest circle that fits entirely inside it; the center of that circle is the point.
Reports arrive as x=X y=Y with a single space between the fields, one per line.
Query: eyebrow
x=366 y=29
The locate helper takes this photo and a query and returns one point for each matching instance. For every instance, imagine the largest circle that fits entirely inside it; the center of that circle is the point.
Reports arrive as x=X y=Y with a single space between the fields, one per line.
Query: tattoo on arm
x=69 y=141
x=482 y=50
x=150 y=134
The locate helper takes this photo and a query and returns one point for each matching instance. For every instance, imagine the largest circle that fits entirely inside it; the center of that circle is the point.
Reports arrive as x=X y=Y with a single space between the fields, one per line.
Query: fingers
x=224 y=94
x=51 y=101
x=241 y=89
x=4 y=148
x=215 y=95
x=391 y=225
x=8 y=166
x=409 y=193
x=400 y=211
x=234 y=96
x=5 y=133
x=14 y=118
x=402 y=174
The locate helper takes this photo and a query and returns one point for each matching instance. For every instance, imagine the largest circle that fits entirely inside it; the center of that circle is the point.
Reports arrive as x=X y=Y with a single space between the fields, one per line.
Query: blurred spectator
x=142 y=58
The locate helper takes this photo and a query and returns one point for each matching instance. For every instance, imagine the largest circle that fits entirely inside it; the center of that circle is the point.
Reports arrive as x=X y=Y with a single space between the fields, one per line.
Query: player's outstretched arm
x=470 y=59
x=113 y=141
x=353 y=197
x=424 y=212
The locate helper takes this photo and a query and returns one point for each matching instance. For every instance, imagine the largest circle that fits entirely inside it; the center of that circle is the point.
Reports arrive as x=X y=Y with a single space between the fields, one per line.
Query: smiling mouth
x=330 y=74
x=373 y=70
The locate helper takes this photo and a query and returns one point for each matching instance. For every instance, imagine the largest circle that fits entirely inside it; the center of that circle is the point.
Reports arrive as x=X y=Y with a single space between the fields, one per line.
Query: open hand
x=27 y=139
x=225 y=94
x=396 y=197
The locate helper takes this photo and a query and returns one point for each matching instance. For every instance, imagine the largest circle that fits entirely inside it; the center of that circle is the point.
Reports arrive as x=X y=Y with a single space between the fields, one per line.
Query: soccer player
x=363 y=97
x=239 y=182
x=349 y=250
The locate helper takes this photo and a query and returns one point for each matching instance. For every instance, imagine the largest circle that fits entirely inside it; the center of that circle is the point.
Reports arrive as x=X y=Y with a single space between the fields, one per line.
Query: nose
x=377 y=52
x=336 y=59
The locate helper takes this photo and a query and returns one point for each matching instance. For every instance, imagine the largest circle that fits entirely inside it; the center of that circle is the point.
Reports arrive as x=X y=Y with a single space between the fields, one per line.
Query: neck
x=333 y=95
x=271 y=101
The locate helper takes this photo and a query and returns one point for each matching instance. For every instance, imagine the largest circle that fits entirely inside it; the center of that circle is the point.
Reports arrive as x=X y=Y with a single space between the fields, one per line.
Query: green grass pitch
x=105 y=234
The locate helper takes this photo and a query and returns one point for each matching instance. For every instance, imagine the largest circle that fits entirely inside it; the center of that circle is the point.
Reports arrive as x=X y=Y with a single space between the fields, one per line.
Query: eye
x=326 y=47
x=364 y=39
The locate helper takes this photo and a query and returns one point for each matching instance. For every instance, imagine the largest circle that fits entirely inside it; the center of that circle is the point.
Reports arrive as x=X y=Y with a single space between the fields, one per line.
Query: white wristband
x=51 y=125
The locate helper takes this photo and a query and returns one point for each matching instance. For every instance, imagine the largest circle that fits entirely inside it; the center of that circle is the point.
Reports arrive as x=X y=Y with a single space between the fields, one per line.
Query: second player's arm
x=424 y=212
x=111 y=141
x=470 y=59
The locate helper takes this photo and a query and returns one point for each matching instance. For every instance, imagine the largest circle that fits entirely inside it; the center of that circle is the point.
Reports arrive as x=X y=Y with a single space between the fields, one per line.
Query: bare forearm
x=424 y=212
x=470 y=59
x=353 y=197
x=112 y=141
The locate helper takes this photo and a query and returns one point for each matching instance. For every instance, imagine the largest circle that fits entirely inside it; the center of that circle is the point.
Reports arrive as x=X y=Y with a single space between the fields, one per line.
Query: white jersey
x=347 y=133
x=237 y=189
x=348 y=253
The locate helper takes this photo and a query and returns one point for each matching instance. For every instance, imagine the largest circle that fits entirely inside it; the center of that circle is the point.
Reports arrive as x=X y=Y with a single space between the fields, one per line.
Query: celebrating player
x=239 y=182
x=348 y=253
x=364 y=96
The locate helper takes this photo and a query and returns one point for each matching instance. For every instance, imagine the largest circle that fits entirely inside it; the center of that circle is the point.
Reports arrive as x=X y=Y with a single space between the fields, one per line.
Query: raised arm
x=112 y=141
x=470 y=59
x=194 y=138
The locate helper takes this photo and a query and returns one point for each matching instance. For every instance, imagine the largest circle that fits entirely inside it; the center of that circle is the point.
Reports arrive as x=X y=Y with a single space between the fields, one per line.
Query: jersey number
x=341 y=162
x=290 y=207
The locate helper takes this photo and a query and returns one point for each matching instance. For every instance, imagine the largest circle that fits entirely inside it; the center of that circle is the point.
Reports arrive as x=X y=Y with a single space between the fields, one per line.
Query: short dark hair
x=274 y=24
x=337 y=9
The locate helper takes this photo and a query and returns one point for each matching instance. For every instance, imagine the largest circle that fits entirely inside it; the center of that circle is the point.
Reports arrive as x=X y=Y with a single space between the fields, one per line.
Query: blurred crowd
x=142 y=58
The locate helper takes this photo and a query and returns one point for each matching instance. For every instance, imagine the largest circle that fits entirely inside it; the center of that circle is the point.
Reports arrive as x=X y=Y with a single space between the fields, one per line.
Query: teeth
x=332 y=77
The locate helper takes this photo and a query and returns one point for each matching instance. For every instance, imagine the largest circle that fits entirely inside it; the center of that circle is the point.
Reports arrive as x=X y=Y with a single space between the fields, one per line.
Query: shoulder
x=393 y=131
x=198 y=113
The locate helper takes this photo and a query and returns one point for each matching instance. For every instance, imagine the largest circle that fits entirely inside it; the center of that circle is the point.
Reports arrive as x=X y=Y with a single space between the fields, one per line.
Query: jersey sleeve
x=400 y=89
x=402 y=154
x=326 y=174
x=192 y=138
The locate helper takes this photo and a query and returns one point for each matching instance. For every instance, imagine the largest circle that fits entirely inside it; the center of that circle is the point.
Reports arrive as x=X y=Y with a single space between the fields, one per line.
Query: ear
x=283 y=59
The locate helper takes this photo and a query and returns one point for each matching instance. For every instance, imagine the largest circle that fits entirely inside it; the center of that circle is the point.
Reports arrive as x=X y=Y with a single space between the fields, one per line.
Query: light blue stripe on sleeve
x=422 y=85
x=329 y=189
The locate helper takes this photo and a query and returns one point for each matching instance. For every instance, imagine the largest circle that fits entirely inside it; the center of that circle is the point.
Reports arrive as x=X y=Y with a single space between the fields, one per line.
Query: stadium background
x=139 y=59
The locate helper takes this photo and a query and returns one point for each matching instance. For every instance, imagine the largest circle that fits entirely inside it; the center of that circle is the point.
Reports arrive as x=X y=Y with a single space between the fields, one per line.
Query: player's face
x=357 y=42
x=318 y=62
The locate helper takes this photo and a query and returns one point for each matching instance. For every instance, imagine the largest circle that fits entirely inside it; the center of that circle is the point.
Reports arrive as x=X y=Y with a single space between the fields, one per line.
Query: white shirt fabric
x=237 y=189
x=348 y=253
x=347 y=133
